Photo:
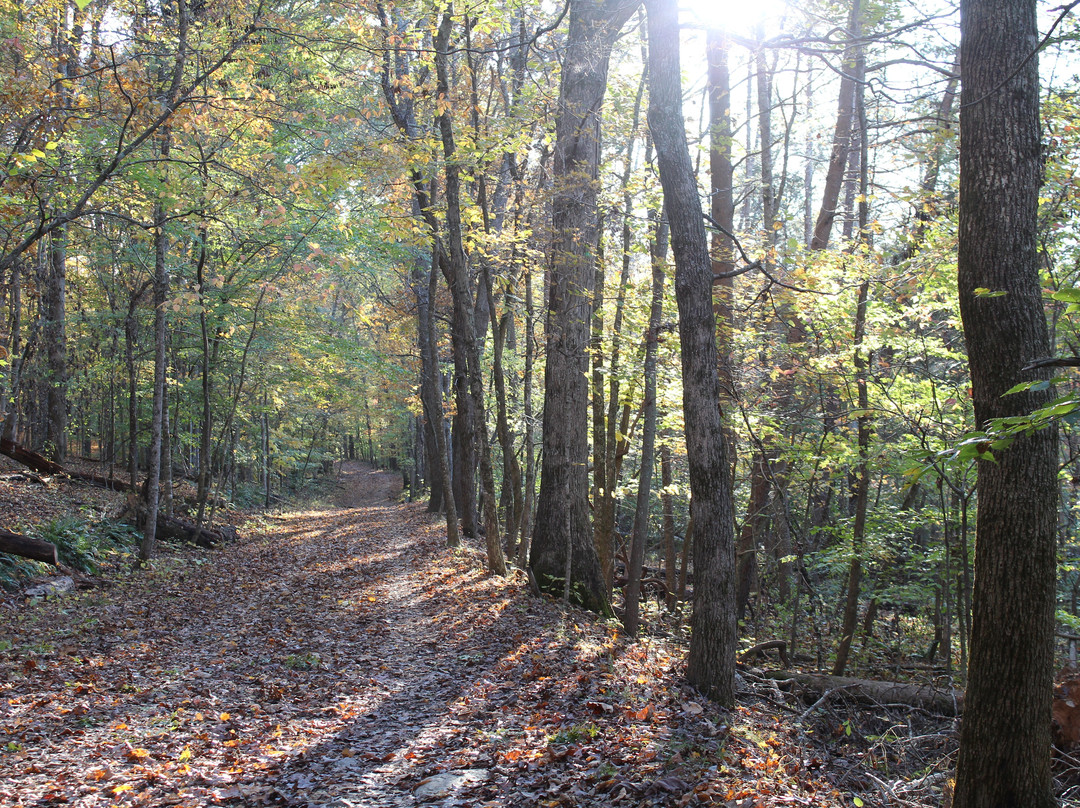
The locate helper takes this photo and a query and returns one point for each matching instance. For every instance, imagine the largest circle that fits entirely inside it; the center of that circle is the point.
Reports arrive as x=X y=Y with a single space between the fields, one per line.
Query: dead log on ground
x=947 y=701
x=36 y=462
x=175 y=528
x=26 y=477
x=753 y=653
x=17 y=544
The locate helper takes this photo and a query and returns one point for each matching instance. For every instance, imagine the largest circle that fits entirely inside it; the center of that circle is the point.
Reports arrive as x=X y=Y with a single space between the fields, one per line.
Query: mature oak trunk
x=562 y=510
x=1004 y=757
x=711 y=664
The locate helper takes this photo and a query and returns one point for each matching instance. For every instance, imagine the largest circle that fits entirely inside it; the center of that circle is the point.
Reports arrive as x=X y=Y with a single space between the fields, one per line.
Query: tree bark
x=530 y=444
x=24 y=546
x=32 y=460
x=711 y=663
x=457 y=275
x=658 y=254
x=926 y=697
x=157 y=419
x=671 y=581
x=562 y=510
x=845 y=117
x=1004 y=757
x=56 y=346
x=430 y=390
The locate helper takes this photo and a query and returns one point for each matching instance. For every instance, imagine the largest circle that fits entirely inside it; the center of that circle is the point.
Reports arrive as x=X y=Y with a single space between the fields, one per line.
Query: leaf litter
x=345 y=657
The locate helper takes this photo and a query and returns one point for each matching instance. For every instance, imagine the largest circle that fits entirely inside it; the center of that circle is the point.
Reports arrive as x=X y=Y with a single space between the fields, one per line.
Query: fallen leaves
x=347 y=654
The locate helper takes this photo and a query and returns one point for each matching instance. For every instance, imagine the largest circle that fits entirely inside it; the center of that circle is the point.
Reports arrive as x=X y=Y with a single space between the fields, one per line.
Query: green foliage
x=85 y=546
x=578 y=733
x=14 y=570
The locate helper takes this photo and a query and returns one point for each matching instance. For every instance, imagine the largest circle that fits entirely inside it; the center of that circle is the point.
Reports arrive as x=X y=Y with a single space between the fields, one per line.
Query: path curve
x=320 y=661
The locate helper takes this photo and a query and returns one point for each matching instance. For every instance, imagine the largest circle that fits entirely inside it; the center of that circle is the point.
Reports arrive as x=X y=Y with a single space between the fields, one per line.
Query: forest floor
x=343 y=656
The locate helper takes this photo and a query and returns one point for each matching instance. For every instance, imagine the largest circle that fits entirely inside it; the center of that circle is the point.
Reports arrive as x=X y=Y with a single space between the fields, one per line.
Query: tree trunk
x=26 y=547
x=56 y=346
x=870 y=691
x=1004 y=757
x=438 y=420
x=722 y=209
x=753 y=529
x=511 y=468
x=860 y=491
x=12 y=378
x=457 y=275
x=464 y=426
x=711 y=663
x=530 y=447
x=845 y=118
x=671 y=581
x=562 y=511
x=157 y=419
x=210 y=349
x=640 y=536
x=430 y=393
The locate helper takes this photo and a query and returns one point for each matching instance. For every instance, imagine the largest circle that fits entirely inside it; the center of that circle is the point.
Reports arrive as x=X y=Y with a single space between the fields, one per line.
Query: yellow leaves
x=185 y=755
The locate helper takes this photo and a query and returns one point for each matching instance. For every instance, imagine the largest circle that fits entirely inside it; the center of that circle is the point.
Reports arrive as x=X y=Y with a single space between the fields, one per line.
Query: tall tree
x=841 y=148
x=563 y=535
x=1004 y=755
x=658 y=255
x=167 y=99
x=711 y=664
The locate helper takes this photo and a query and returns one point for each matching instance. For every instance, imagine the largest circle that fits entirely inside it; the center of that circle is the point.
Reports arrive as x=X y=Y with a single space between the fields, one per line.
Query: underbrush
x=83 y=545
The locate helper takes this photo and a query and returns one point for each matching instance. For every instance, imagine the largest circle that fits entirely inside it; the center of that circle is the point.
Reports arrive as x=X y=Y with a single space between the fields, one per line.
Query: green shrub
x=86 y=546
x=14 y=570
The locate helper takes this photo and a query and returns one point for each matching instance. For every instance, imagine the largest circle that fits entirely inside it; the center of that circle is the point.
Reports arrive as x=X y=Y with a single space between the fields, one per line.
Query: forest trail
x=346 y=658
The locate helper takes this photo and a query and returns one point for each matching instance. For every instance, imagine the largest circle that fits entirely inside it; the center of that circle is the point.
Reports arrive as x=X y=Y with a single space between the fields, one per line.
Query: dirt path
x=344 y=658
x=313 y=666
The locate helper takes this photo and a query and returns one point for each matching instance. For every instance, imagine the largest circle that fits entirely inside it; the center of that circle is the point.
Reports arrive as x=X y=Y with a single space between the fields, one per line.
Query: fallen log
x=175 y=528
x=34 y=461
x=947 y=701
x=17 y=544
x=753 y=653
x=31 y=460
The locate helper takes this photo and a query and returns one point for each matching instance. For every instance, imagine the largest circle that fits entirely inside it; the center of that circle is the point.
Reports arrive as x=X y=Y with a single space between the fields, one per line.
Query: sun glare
x=738 y=17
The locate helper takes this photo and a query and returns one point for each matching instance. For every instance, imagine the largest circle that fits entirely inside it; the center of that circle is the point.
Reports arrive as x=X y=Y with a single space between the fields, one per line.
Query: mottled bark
x=563 y=529
x=711 y=663
x=1004 y=758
